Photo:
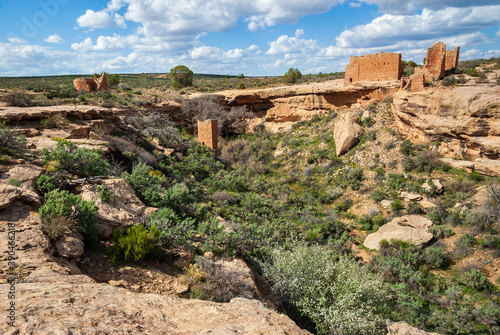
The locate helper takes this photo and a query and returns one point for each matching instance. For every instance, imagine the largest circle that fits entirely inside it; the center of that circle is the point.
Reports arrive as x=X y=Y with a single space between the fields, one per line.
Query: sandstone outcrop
x=402 y=328
x=411 y=228
x=8 y=194
x=92 y=84
x=282 y=106
x=22 y=114
x=53 y=297
x=124 y=211
x=346 y=133
x=465 y=120
x=376 y=67
x=101 y=308
x=487 y=167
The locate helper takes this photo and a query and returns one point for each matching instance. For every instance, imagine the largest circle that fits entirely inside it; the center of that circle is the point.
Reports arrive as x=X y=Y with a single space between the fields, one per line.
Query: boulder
x=70 y=245
x=411 y=228
x=386 y=203
x=402 y=328
x=27 y=174
x=248 y=283
x=346 y=133
x=458 y=164
x=487 y=166
x=8 y=194
x=438 y=187
x=409 y=196
x=123 y=212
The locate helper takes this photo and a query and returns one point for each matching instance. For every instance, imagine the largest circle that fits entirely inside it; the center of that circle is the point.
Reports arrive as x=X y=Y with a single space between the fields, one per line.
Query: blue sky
x=261 y=37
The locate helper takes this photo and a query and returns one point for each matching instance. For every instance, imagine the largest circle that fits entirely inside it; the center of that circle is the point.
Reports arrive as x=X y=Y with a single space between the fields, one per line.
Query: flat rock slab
x=8 y=194
x=104 y=309
x=410 y=228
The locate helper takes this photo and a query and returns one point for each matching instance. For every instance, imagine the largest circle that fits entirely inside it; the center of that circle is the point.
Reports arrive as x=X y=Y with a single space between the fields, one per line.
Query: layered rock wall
x=465 y=120
x=376 y=67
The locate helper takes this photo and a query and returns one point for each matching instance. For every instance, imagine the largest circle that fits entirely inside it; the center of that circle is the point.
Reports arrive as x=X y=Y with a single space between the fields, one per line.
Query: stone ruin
x=376 y=67
x=438 y=61
x=208 y=134
x=92 y=84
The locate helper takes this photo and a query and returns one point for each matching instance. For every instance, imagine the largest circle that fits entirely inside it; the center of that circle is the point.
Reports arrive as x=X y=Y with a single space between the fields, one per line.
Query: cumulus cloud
x=93 y=19
x=54 y=39
x=15 y=40
x=107 y=43
x=286 y=44
x=389 y=28
x=410 y=6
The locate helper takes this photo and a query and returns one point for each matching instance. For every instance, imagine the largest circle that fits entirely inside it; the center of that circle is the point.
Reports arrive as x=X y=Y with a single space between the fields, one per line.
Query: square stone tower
x=208 y=134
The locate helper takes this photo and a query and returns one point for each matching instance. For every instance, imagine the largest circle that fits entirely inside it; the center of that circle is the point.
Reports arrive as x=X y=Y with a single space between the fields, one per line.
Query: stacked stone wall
x=451 y=59
x=376 y=67
x=208 y=134
x=91 y=84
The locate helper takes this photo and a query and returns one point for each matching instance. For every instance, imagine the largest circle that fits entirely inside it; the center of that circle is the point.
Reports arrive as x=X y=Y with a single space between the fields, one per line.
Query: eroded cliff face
x=282 y=106
x=465 y=120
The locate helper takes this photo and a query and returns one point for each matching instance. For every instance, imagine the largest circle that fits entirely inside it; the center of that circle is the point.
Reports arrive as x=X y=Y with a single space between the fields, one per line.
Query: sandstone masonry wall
x=91 y=84
x=435 y=60
x=451 y=59
x=208 y=134
x=376 y=67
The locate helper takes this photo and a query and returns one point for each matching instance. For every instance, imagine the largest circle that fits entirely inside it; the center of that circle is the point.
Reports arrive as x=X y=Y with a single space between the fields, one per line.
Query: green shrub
x=18 y=99
x=292 y=76
x=436 y=257
x=379 y=195
x=54 y=121
x=475 y=279
x=441 y=231
x=174 y=231
x=46 y=183
x=333 y=291
x=351 y=176
x=106 y=194
x=78 y=160
x=136 y=243
x=147 y=186
x=64 y=204
x=397 y=206
x=10 y=144
x=181 y=76
x=14 y=182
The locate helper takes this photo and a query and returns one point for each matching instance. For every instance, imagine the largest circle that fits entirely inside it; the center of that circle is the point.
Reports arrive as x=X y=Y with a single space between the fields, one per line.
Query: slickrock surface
x=465 y=120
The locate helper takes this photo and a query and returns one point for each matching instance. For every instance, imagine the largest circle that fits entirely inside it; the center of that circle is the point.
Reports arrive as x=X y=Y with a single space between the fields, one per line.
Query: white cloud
x=286 y=44
x=15 y=40
x=389 y=28
x=354 y=4
x=498 y=33
x=54 y=39
x=410 y=6
x=93 y=19
x=107 y=43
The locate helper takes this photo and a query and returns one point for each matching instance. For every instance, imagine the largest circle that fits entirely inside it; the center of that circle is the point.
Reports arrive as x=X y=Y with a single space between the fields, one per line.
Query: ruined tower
x=376 y=67
x=208 y=134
